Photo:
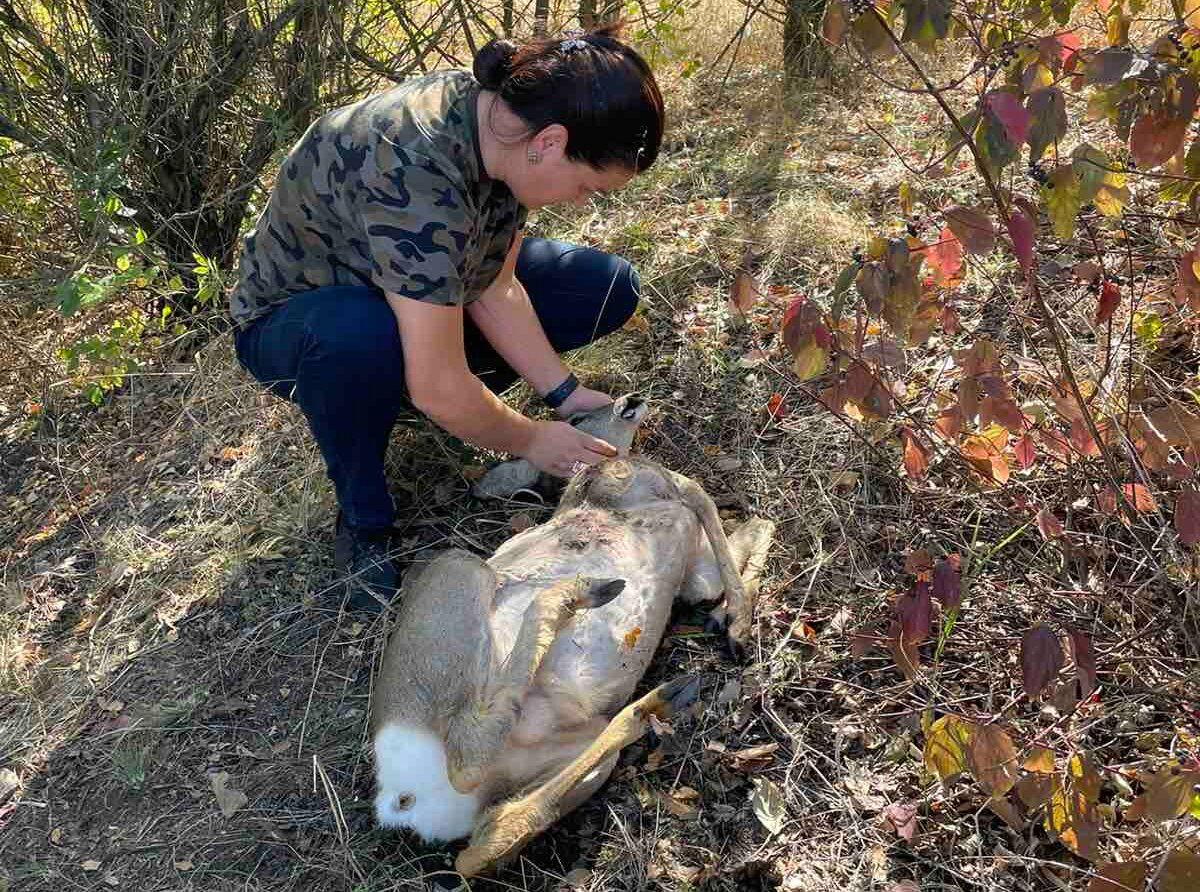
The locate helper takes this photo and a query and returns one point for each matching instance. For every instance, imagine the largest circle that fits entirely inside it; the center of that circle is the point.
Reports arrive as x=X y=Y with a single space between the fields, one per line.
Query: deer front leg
x=477 y=732
x=510 y=826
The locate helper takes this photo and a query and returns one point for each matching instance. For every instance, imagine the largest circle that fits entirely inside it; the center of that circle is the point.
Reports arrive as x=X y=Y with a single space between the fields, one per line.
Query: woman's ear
x=550 y=141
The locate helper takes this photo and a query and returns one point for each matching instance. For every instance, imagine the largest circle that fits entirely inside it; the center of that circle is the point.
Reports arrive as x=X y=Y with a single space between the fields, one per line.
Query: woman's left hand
x=582 y=400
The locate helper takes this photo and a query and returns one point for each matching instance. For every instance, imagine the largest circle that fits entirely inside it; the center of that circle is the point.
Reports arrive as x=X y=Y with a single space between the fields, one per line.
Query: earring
x=534 y=158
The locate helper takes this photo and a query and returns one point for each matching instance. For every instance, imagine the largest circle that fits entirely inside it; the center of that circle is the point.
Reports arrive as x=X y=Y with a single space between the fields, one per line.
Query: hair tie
x=573 y=43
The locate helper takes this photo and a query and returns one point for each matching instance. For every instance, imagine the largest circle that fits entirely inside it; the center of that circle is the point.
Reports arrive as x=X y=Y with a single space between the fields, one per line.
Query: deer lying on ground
x=501 y=702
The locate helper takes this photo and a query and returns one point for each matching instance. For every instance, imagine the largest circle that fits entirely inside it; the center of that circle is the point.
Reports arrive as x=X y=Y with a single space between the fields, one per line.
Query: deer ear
x=601 y=591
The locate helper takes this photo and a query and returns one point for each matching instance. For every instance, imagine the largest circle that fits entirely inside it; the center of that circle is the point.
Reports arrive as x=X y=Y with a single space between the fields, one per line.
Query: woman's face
x=555 y=179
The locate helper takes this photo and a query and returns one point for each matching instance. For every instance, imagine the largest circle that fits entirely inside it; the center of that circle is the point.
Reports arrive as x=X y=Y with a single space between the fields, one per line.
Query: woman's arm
x=505 y=316
x=441 y=386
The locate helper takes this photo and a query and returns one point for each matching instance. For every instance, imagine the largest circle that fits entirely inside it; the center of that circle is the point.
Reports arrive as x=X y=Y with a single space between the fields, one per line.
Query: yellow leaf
x=811 y=360
x=631 y=637
x=1073 y=819
x=1111 y=200
x=1040 y=760
x=1085 y=779
x=946 y=746
x=906 y=201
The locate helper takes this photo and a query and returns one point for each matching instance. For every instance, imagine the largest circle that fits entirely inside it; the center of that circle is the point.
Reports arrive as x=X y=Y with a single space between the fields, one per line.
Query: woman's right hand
x=557 y=447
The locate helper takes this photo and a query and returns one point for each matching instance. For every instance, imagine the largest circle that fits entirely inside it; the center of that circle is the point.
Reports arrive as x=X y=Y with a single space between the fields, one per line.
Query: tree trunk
x=541 y=16
x=804 y=53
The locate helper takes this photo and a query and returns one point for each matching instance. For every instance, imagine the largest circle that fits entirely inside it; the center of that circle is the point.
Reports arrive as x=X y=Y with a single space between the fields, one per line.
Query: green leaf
x=1147 y=328
x=1048 y=120
x=926 y=21
x=811 y=360
x=840 y=287
x=992 y=142
x=139 y=236
x=79 y=291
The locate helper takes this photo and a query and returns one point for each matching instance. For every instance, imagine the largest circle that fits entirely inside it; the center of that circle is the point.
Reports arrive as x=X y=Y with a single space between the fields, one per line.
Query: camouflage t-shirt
x=388 y=192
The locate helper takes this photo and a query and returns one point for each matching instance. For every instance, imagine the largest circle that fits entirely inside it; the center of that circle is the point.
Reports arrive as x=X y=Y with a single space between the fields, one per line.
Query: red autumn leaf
x=947 y=586
x=833 y=25
x=1005 y=411
x=986 y=458
x=775 y=406
x=1020 y=230
x=1068 y=47
x=1048 y=525
x=905 y=652
x=1110 y=299
x=1157 y=136
x=902 y=817
x=1024 y=451
x=918 y=562
x=1041 y=658
x=745 y=292
x=1187 y=516
x=862 y=643
x=1140 y=497
x=973 y=228
x=916 y=456
x=1007 y=109
x=950 y=323
x=915 y=612
x=949 y=423
x=1084 y=656
x=945 y=257
x=1082 y=440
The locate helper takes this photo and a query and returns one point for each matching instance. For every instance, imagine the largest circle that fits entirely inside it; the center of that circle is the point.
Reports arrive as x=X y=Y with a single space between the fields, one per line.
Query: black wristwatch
x=559 y=394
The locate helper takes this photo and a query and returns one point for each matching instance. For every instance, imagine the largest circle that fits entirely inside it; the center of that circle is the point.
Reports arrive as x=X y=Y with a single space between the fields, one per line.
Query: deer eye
x=403 y=802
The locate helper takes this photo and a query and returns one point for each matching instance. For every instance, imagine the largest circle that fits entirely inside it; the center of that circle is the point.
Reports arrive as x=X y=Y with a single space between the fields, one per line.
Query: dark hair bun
x=493 y=63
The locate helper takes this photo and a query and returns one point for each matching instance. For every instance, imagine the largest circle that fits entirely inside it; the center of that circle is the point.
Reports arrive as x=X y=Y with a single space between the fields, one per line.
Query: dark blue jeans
x=335 y=351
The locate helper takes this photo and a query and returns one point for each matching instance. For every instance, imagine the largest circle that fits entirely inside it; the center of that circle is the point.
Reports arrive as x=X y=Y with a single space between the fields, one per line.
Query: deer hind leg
x=748 y=545
x=476 y=734
x=510 y=826
x=740 y=593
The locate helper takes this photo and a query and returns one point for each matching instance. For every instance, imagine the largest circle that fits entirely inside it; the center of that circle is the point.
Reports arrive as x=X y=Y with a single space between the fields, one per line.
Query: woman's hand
x=560 y=449
x=583 y=399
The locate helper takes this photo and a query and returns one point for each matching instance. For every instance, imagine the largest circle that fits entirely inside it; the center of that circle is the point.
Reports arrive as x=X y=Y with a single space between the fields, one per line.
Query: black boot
x=363 y=562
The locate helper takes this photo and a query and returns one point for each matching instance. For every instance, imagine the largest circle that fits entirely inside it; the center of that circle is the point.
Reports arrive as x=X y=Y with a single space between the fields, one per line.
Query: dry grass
x=169 y=612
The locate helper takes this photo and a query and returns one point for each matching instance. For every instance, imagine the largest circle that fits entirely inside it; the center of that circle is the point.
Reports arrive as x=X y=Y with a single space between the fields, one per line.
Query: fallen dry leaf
x=229 y=800
x=902 y=818
x=769 y=805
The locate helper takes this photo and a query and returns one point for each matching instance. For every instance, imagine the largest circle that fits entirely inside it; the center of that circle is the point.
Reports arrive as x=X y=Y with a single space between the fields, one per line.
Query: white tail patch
x=412 y=789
